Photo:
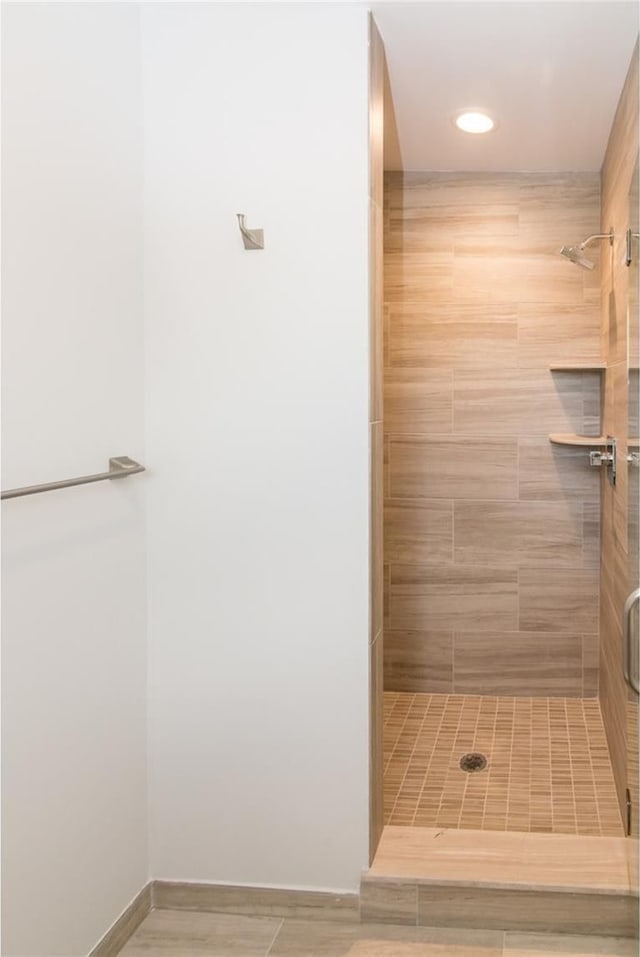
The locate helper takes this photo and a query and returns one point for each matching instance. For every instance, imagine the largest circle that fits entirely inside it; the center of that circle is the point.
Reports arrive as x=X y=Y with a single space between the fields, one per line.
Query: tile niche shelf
x=570 y=438
x=581 y=441
x=578 y=367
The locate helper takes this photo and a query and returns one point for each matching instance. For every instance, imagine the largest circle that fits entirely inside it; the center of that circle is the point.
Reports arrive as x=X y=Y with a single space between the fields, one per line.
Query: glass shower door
x=631 y=621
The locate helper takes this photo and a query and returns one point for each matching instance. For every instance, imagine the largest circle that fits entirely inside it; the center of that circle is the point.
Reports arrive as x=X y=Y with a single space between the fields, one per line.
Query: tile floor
x=187 y=934
x=548 y=764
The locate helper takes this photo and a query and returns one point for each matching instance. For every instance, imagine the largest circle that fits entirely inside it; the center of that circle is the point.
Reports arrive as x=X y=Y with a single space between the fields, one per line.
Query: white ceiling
x=550 y=72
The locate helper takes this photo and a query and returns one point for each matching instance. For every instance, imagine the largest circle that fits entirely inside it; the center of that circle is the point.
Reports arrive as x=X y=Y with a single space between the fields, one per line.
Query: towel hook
x=252 y=238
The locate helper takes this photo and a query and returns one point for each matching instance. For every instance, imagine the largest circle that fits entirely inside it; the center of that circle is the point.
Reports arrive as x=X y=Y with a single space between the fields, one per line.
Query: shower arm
x=592 y=239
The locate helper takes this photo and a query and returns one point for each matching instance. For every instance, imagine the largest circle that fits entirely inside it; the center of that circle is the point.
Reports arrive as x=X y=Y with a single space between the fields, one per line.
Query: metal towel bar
x=119 y=467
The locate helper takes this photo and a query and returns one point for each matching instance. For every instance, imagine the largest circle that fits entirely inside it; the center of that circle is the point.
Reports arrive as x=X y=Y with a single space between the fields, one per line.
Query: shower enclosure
x=511 y=512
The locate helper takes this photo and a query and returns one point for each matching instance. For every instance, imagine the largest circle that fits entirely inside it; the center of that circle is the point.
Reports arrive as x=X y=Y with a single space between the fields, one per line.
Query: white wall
x=257 y=366
x=73 y=669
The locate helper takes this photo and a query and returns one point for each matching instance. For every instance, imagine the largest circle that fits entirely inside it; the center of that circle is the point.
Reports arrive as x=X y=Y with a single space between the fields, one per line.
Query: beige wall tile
x=559 y=209
x=549 y=472
x=518 y=663
x=519 y=533
x=413 y=192
x=592 y=387
x=418 y=532
x=445 y=336
x=418 y=400
x=418 y=661
x=558 y=600
x=461 y=467
x=413 y=229
x=441 y=597
x=376 y=307
x=591 y=534
x=478 y=305
x=514 y=401
x=551 y=333
x=519 y=271
x=377 y=529
x=424 y=276
x=174 y=934
x=590 y=665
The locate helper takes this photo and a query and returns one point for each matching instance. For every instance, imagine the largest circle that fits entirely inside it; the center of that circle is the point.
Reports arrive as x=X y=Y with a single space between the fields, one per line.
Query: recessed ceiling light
x=473 y=121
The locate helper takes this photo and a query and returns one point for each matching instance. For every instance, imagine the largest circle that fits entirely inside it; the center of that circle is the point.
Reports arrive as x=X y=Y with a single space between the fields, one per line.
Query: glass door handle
x=631 y=679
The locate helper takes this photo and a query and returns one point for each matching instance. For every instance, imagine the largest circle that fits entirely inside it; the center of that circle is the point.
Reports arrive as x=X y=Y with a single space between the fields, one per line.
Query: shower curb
x=553 y=883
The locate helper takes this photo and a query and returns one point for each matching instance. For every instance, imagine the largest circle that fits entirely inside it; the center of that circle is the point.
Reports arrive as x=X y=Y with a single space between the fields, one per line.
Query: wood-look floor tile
x=567 y=945
x=323 y=939
x=432 y=942
x=188 y=934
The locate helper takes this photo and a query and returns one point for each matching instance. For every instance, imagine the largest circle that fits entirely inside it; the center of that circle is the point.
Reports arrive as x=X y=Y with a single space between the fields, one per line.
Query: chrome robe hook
x=252 y=238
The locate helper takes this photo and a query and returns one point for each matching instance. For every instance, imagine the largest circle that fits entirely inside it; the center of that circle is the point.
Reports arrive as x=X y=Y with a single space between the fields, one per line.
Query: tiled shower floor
x=548 y=764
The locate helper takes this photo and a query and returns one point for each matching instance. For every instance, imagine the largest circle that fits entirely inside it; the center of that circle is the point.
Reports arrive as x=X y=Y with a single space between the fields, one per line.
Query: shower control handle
x=600 y=458
x=631 y=679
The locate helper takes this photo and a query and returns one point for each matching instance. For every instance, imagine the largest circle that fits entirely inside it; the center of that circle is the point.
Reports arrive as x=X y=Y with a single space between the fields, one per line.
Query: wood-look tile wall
x=617 y=172
x=491 y=533
x=377 y=67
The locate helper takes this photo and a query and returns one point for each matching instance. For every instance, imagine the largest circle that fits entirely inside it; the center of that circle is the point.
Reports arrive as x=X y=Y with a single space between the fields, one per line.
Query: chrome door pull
x=631 y=680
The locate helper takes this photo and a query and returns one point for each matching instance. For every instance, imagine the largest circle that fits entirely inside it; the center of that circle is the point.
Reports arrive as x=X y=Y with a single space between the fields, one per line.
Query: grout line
x=408 y=764
x=426 y=776
x=278 y=929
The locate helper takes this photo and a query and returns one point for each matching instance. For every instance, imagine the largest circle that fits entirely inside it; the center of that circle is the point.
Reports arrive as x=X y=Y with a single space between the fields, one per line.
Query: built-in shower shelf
x=583 y=441
x=579 y=367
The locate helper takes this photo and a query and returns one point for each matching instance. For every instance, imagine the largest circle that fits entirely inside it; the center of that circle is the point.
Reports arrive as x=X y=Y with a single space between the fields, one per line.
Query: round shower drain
x=473 y=762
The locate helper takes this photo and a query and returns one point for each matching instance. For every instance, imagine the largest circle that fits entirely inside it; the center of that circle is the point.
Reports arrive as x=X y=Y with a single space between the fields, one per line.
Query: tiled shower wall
x=491 y=532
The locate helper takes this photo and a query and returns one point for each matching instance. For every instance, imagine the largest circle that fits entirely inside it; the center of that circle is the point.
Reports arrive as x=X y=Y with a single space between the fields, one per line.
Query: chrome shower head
x=574 y=254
